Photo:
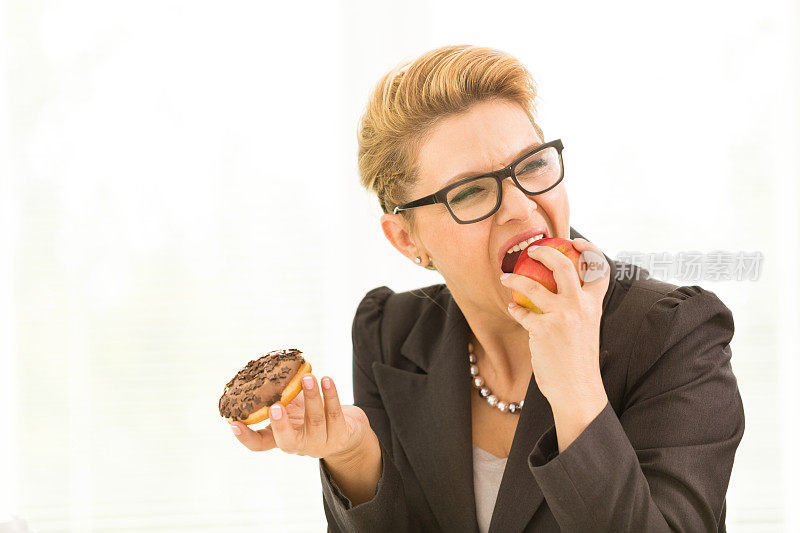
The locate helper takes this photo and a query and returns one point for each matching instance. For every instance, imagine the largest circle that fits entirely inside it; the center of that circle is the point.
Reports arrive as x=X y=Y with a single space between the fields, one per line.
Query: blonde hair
x=414 y=95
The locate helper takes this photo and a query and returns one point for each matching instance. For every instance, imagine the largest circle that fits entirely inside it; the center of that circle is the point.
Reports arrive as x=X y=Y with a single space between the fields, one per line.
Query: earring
x=429 y=266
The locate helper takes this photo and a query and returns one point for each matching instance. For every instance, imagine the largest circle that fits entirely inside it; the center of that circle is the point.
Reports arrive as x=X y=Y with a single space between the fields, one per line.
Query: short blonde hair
x=414 y=95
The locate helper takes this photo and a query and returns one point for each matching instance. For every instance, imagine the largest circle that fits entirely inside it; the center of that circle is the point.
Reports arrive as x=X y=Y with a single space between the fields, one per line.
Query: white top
x=488 y=470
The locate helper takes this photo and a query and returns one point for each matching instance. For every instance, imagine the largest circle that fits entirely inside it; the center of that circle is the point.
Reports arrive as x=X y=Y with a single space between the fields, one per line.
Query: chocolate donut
x=274 y=377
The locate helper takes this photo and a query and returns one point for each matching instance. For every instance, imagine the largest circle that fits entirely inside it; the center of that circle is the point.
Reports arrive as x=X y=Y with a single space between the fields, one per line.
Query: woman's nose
x=516 y=205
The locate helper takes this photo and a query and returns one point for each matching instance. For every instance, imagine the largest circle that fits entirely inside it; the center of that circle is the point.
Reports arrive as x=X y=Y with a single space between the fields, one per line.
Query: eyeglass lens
x=477 y=198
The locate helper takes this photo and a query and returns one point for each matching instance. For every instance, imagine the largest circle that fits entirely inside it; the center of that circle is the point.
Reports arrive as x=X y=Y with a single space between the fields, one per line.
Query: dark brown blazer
x=657 y=458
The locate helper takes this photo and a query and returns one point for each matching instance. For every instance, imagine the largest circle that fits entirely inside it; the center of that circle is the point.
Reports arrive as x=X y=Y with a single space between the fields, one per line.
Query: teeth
x=524 y=244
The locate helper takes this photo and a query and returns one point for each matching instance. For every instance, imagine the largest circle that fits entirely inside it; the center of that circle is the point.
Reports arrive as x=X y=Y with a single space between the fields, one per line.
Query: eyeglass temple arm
x=426 y=200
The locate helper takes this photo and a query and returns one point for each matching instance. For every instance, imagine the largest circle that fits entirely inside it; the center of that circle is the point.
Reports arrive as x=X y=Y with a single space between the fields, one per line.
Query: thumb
x=257 y=441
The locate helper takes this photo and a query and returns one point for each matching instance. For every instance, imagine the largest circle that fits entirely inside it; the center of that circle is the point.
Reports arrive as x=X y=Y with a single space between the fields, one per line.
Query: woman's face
x=487 y=137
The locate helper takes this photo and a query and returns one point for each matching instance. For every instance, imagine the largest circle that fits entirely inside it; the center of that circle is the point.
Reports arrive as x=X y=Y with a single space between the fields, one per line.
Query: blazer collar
x=430 y=413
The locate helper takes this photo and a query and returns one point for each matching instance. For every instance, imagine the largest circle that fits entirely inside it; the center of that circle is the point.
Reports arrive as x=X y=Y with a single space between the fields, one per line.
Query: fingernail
x=275 y=412
x=308 y=382
x=504 y=275
x=512 y=305
x=326 y=383
x=236 y=430
x=531 y=248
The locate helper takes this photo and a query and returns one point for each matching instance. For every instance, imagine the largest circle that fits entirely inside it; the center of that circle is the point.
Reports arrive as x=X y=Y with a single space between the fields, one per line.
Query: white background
x=179 y=194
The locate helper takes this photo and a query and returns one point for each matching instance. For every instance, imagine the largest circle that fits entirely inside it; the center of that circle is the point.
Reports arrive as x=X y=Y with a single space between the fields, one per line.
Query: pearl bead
x=492 y=399
x=478 y=381
x=502 y=406
x=512 y=407
x=473 y=370
x=472 y=358
x=469 y=347
x=485 y=392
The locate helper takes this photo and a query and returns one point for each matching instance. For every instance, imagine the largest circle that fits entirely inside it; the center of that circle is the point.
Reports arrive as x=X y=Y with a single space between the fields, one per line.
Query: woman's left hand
x=564 y=339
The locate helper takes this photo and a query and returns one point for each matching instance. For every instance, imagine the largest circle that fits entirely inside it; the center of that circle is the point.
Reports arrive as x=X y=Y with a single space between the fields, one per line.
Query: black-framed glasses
x=476 y=198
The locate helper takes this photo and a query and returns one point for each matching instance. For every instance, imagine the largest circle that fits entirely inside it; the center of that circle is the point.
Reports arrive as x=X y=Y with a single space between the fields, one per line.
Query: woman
x=615 y=409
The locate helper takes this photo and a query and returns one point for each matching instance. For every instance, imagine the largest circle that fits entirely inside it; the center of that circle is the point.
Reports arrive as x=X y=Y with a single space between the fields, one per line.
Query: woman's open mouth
x=510 y=259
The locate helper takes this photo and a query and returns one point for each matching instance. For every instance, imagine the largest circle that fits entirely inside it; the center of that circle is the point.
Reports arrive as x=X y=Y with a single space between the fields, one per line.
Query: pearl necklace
x=485 y=392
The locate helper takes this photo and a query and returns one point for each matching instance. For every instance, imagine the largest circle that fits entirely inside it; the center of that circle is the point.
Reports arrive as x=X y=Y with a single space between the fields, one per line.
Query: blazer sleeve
x=663 y=462
x=387 y=510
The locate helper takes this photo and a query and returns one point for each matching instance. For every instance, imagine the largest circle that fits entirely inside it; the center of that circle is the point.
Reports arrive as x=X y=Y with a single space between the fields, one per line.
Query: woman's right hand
x=306 y=427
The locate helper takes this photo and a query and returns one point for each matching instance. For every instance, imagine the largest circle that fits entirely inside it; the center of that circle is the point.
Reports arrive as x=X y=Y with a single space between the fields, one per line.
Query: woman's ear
x=397 y=230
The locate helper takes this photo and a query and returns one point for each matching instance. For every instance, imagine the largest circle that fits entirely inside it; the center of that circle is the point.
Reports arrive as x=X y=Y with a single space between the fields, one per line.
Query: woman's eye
x=534 y=165
x=466 y=194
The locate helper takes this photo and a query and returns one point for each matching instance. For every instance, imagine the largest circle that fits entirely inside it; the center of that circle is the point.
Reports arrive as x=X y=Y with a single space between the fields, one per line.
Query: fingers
x=315 y=433
x=537 y=293
x=334 y=417
x=526 y=317
x=563 y=269
x=286 y=437
x=258 y=441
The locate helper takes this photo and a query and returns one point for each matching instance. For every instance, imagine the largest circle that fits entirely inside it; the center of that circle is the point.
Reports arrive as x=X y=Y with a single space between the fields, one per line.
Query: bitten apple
x=537 y=271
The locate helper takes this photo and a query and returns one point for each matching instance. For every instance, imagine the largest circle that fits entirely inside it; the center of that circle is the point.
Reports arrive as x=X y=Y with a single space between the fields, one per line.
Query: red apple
x=537 y=271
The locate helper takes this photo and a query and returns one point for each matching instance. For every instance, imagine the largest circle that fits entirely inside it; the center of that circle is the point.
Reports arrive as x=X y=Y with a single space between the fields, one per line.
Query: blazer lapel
x=431 y=414
x=519 y=496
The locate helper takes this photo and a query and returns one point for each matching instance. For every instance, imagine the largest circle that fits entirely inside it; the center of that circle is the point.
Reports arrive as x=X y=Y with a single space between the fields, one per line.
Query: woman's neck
x=504 y=357
x=501 y=345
